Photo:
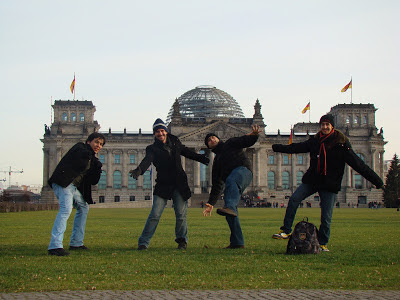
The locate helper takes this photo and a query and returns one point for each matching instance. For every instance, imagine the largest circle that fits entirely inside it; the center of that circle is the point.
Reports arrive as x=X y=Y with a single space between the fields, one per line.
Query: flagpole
x=74 y=86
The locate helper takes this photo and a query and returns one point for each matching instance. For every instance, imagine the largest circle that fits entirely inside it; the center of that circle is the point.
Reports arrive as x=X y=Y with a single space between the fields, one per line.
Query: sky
x=134 y=58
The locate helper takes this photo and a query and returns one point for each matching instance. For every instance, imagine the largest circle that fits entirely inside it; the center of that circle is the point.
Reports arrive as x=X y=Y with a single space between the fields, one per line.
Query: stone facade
x=276 y=175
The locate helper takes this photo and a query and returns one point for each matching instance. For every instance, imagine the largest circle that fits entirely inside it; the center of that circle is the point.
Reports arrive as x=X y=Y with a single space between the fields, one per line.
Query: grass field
x=365 y=253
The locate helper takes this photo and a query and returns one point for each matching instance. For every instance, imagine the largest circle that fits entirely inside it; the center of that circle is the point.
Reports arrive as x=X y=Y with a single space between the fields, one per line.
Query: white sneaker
x=281 y=235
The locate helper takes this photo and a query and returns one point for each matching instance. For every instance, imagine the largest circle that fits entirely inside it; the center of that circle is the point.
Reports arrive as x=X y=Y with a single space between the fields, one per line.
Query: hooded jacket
x=229 y=156
x=73 y=164
x=167 y=160
x=327 y=165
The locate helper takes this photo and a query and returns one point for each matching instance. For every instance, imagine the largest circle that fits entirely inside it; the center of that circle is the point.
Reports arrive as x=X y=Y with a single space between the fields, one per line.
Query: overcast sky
x=133 y=58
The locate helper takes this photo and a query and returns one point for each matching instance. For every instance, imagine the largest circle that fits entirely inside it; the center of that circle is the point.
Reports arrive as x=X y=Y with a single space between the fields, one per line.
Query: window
x=116 y=198
x=364 y=120
x=117 y=180
x=271 y=180
x=131 y=183
x=348 y=120
x=358 y=181
x=101 y=199
x=103 y=181
x=131 y=198
x=117 y=158
x=271 y=159
x=362 y=199
x=316 y=198
x=285 y=180
x=65 y=117
x=300 y=159
x=132 y=159
x=299 y=176
x=357 y=120
x=147 y=197
x=147 y=180
x=73 y=117
x=81 y=117
x=102 y=158
x=285 y=159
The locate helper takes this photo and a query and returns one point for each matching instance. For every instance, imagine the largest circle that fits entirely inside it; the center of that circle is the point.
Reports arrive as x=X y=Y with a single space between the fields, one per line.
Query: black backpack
x=304 y=239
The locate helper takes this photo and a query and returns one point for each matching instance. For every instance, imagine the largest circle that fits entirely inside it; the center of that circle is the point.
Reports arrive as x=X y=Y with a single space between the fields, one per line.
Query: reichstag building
x=197 y=112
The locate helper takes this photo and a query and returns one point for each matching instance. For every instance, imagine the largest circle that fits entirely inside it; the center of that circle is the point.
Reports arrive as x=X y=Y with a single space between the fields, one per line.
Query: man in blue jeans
x=231 y=168
x=329 y=151
x=171 y=182
x=71 y=182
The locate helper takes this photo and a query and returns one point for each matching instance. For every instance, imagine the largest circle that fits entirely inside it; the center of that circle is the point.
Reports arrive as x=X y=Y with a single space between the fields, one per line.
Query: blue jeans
x=235 y=185
x=69 y=197
x=180 y=207
x=327 y=203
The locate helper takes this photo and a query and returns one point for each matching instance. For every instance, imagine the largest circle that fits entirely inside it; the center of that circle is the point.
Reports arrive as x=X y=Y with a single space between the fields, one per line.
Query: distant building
x=197 y=112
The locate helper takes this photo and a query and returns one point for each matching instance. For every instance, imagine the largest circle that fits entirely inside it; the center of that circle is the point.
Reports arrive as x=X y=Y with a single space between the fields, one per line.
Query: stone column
x=46 y=174
x=109 y=168
x=125 y=168
x=347 y=171
x=279 y=170
x=257 y=170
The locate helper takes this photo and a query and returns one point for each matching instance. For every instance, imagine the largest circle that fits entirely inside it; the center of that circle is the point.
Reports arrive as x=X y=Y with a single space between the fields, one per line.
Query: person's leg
x=65 y=198
x=82 y=210
x=180 y=208
x=327 y=204
x=302 y=192
x=235 y=185
x=152 y=221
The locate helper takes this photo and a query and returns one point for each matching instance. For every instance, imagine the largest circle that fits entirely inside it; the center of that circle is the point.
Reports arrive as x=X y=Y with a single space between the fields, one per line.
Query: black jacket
x=167 y=160
x=338 y=152
x=73 y=164
x=229 y=155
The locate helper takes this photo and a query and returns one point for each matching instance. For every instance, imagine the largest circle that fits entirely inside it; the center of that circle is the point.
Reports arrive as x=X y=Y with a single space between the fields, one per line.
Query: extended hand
x=255 y=130
x=208 y=210
x=134 y=173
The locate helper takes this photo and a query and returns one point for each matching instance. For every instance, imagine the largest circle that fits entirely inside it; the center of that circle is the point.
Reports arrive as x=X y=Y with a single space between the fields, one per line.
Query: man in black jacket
x=171 y=182
x=232 y=169
x=329 y=151
x=71 y=182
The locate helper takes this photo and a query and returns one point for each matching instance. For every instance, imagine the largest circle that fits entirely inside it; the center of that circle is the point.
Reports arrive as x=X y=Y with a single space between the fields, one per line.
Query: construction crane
x=9 y=174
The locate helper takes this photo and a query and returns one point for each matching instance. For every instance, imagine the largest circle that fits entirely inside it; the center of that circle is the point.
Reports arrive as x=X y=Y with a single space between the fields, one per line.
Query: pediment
x=222 y=129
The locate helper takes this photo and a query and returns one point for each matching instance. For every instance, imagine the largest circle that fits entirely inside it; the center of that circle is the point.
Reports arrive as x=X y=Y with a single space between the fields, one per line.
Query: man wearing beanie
x=232 y=169
x=171 y=182
x=329 y=151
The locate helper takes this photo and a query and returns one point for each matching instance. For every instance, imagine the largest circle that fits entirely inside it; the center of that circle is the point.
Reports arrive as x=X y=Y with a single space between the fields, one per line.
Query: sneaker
x=324 y=248
x=142 y=247
x=235 y=247
x=58 y=252
x=281 y=235
x=226 y=212
x=182 y=246
x=83 y=247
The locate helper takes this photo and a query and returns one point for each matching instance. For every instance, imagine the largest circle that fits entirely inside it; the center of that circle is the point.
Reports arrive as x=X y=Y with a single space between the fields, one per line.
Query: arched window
x=117 y=180
x=81 y=117
x=73 y=117
x=285 y=180
x=299 y=176
x=131 y=183
x=348 y=120
x=147 y=180
x=65 y=117
x=103 y=181
x=357 y=120
x=271 y=180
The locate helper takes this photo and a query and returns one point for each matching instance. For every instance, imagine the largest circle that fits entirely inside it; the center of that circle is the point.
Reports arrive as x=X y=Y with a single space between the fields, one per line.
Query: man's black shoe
x=182 y=246
x=58 y=252
x=142 y=247
x=234 y=247
x=83 y=247
x=226 y=212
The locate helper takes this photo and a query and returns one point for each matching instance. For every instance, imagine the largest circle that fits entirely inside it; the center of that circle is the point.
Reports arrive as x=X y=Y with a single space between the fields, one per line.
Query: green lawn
x=365 y=253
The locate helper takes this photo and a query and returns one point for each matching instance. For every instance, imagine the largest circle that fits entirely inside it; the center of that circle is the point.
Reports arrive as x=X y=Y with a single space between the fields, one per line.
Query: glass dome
x=207 y=101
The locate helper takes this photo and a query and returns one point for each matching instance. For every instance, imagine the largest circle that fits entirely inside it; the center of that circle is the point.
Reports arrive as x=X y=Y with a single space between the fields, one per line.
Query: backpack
x=304 y=239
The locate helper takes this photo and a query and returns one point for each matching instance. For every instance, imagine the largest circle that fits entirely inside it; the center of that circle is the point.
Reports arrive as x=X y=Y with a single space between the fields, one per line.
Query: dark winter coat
x=167 y=160
x=73 y=164
x=229 y=156
x=338 y=153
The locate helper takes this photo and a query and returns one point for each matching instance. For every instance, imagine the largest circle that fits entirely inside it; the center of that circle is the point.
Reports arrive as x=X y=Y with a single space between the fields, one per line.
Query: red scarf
x=322 y=152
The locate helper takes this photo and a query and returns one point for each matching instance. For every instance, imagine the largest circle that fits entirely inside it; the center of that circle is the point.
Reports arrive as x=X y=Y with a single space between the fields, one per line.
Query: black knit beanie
x=159 y=124
x=327 y=118
x=207 y=136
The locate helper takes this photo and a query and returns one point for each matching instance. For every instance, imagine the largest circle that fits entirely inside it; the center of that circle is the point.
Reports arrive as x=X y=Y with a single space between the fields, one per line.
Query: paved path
x=225 y=294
